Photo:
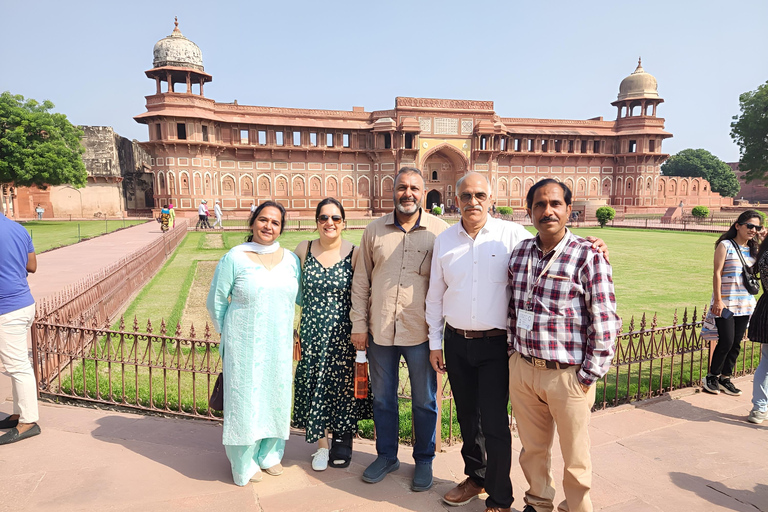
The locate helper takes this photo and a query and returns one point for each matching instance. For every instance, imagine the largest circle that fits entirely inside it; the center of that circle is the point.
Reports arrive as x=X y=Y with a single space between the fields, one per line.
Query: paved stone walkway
x=692 y=453
x=688 y=451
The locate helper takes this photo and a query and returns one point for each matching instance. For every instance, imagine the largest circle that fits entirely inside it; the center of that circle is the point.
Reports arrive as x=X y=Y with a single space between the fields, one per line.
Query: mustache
x=548 y=218
x=470 y=208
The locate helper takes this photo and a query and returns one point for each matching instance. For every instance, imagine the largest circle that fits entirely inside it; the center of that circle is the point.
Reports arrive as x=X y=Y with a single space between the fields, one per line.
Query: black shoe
x=727 y=387
x=8 y=422
x=422 y=477
x=341 y=450
x=379 y=469
x=13 y=435
x=710 y=385
x=529 y=508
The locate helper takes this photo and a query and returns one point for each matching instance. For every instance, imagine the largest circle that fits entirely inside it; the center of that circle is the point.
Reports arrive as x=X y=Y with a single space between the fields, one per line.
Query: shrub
x=504 y=210
x=604 y=214
x=437 y=210
x=700 y=212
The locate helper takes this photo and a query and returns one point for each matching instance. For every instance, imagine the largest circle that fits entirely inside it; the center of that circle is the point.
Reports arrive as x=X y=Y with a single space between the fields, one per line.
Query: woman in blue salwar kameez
x=251 y=303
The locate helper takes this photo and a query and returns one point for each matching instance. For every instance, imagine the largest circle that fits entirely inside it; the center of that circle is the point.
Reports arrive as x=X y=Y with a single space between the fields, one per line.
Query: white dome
x=177 y=51
x=638 y=85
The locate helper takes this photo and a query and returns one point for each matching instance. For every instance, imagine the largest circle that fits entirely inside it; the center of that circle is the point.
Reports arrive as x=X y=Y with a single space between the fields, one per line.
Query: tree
x=700 y=163
x=750 y=131
x=700 y=212
x=604 y=214
x=37 y=146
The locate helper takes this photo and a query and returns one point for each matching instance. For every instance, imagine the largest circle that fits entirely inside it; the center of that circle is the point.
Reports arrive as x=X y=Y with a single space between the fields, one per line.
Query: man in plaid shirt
x=562 y=326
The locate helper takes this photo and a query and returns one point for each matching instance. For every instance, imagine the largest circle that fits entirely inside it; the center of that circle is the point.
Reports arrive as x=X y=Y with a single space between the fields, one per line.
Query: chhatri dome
x=638 y=85
x=177 y=51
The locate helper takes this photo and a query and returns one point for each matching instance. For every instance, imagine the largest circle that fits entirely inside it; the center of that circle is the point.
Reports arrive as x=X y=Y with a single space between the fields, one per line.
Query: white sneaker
x=320 y=459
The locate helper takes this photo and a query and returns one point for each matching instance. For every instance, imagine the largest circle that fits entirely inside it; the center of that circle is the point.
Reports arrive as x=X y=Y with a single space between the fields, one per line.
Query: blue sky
x=533 y=59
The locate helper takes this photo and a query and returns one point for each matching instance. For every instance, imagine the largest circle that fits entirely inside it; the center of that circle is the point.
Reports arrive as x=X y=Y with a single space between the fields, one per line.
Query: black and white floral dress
x=324 y=383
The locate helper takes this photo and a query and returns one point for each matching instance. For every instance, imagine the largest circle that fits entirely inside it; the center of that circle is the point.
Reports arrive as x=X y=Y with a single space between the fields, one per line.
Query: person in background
x=758 y=332
x=732 y=304
x=324 y=400
x=173 y=216
x=39 y=210
x=17 y=312
x=165 y=218
x=217 y=214
x=202 y=215
x=251 y=302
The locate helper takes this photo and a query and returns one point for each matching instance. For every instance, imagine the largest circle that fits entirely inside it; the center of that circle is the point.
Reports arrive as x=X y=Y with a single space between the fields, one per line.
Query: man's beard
x=404 y=210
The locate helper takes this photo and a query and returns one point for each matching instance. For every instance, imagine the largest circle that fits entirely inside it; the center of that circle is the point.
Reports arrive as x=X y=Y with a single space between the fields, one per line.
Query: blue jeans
x=384 y=364
x=760 y=383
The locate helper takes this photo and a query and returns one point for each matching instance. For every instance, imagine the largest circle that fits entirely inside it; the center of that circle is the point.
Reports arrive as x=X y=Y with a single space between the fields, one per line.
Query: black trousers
x=730 y=332
x=478 y=370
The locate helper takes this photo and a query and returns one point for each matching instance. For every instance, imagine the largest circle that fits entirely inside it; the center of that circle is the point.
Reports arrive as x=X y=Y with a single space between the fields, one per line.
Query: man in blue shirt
x=17 y=311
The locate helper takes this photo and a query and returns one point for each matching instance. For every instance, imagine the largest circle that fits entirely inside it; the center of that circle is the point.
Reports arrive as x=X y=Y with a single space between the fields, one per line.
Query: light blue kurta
x=253 y=309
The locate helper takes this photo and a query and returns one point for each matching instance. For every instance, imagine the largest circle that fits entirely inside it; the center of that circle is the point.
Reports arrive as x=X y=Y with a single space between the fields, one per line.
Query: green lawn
x=50 y=234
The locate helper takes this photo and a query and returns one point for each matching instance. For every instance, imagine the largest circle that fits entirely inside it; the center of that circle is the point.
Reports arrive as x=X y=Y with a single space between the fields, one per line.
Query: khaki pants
x=14 y=329
x=542 y=399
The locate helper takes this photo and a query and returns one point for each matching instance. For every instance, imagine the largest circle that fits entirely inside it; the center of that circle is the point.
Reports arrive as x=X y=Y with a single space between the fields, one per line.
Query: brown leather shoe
x=463 y=493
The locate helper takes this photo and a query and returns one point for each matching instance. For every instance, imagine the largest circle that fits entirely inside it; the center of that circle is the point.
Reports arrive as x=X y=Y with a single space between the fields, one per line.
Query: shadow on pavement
x=740 y=499
x=189 y=447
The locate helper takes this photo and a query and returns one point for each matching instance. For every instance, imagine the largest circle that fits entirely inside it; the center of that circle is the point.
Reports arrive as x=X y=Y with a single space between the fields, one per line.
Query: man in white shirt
x=468 y=295
x=217 y=214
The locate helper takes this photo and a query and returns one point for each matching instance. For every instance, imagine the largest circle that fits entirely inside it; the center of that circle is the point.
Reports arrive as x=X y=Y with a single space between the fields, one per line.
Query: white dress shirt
x=202 y=210
x=217 y=210
x=468 y=282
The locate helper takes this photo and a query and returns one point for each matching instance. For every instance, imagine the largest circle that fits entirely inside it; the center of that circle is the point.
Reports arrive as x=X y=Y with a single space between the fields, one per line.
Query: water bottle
x=361 y=375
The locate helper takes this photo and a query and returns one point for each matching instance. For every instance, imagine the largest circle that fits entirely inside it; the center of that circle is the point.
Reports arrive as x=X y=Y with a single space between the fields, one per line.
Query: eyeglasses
x=466 y=197
x=324 y=218
x=752 y=226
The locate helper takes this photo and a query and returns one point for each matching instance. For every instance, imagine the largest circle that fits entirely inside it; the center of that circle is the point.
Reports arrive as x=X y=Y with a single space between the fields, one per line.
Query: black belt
x=543 y=363
x=471 y=335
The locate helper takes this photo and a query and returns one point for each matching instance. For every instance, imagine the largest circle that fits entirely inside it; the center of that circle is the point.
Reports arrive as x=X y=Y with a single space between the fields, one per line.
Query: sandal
x=341 y=451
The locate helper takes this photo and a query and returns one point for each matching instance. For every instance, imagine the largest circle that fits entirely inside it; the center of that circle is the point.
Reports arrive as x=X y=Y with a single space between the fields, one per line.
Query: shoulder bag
x=751 y=282
x=216 y=402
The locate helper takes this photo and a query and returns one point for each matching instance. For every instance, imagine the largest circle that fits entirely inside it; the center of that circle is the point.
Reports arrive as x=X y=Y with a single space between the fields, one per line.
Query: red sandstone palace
x=201 y=149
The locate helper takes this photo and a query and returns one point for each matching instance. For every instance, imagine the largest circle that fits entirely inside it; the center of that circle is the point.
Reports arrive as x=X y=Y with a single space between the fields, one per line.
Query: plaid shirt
x=574 y=306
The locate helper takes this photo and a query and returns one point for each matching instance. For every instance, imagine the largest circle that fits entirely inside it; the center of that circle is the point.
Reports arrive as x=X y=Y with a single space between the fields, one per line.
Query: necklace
x=270 y=266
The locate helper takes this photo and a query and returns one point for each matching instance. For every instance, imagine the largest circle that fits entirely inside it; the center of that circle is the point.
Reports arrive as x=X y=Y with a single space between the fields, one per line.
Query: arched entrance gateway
x=442 y=166
x=433 y=198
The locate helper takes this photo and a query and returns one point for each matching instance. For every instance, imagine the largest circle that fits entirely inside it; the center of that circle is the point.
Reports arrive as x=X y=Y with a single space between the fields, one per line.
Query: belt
x=477 y=334
x=543 y=363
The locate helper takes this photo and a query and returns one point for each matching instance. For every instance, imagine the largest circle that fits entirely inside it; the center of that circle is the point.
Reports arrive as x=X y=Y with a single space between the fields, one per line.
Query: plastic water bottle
x=361 y=375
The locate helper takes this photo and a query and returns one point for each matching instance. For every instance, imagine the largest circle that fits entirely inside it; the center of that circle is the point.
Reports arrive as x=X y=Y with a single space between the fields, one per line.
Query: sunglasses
x=466 y=197
x=752 y=226
x=324 y=218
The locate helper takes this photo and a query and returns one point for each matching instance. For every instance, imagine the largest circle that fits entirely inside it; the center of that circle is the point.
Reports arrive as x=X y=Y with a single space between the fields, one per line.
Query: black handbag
x=216 y=402
x=751 y=282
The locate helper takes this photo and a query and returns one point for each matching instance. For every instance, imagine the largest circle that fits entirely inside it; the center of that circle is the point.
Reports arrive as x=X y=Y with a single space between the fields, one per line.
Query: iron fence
x=173 y=372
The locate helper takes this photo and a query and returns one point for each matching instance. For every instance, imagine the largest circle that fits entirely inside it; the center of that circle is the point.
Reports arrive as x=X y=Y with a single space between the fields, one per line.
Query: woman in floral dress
x=324 y=399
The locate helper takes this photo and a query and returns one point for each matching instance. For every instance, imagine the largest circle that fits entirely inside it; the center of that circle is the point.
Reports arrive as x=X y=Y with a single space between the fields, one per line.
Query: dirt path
x=195 y=312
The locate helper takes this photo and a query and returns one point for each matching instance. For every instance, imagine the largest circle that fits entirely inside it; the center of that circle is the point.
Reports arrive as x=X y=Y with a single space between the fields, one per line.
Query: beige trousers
x=14 y=328
x=542 y=399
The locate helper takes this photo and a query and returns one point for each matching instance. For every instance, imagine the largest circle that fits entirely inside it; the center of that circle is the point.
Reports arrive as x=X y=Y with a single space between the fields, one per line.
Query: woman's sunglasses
x=324 y=218
x=752 y=226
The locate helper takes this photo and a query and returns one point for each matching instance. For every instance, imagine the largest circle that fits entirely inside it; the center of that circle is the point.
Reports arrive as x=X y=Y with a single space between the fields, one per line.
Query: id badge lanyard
x=531 y=284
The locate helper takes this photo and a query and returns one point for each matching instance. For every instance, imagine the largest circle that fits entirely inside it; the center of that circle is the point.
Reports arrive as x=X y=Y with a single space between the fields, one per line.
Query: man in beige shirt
x=389 y=291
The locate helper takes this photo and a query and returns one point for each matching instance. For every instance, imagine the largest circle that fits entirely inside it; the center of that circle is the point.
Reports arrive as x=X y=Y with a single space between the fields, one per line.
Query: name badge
x=525 y=320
